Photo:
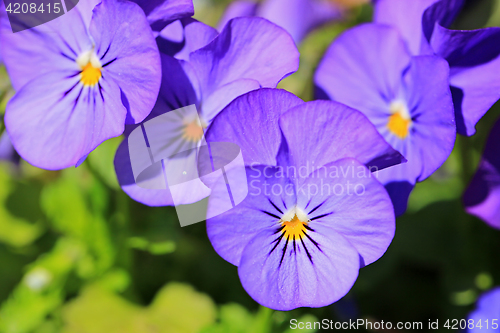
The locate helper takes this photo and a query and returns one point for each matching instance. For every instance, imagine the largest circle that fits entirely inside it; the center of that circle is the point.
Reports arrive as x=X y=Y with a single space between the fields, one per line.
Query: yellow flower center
x=400 y=121
x=90 y=75
x=90 y=68
x=193 y=131
x=294 y=229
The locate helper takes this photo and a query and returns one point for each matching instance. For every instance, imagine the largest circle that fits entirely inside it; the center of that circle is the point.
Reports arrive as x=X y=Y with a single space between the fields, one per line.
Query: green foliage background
x=77 y=255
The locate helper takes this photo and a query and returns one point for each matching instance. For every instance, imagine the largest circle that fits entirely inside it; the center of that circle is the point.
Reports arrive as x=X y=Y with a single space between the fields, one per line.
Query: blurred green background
x=77 y=255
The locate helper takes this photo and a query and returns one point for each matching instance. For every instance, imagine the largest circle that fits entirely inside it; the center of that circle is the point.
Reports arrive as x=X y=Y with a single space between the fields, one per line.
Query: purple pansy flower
x=482 y=198
x=298 y=17
x=486 y=316
x=80 y=82
x=407 y=98
x=473 y=56
x=302 y=233
x=248 y=54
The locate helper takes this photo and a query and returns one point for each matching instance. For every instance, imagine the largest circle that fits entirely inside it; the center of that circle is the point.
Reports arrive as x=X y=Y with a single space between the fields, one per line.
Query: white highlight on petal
x=399 y=106
x=295 y=211
x=88 y=57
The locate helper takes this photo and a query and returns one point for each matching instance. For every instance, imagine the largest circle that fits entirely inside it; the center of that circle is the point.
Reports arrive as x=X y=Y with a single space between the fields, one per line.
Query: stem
x=464 y=225
x=467 y=169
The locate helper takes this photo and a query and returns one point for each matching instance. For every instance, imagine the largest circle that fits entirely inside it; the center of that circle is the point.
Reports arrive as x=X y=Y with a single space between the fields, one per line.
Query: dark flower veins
x=293 y=227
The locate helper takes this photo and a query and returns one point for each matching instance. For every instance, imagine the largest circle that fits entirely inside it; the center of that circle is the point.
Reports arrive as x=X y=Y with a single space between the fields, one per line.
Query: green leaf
x=68 y=207
x=101 y=162
x=41 y=291
x=156 y=248
x=233 y=318
x=97 y=310
x=177 y=308
x=15 y=231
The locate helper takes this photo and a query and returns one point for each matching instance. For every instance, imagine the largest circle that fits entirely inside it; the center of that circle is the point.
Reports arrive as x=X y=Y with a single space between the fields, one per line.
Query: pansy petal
x=415 y=20
x=435 y=132
x=258 y=136
x=482 y=197
x=352 y=66
x=196 y=35
x=406 y=16
x=170 y=40
x=176 y=90
x=346 y=197
x=230 y=232
x=182 y=37
x=474 y=58
x=486 y=311
x=288 y=277
x=247 y=48
x=220 y=98
x=440 y=14
x=55 y=127
x=150 y=197
x=323 y=122
x=185 y=193
x=238 y=8
x=173 y=32
x=162 y=12
x=299 y=17
x=398 y=184
x=128 y=51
